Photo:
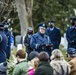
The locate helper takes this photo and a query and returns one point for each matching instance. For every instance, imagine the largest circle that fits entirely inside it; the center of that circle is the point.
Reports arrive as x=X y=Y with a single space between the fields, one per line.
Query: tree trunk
x=22 y=15
x=29 y=6
x=24 y=8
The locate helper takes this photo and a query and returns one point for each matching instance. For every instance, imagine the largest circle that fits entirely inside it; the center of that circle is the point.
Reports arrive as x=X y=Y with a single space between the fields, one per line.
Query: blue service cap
x=42 y=25
x=73 y=19
x=72 y=52
x=51 y=22
x=29 y=28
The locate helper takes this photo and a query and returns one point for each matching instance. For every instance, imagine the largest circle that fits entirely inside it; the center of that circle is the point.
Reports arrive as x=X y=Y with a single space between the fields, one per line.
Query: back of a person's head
x=56 y=54
x=34 y=62
x=33 y=55
x=21 y=53
x=43 y=56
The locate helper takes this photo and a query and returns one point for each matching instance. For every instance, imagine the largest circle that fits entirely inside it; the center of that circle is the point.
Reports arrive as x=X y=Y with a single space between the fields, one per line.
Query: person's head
x=51 y=24
x=6 y=27
x=57 y=54
x=43 y=56
x=42 y=28
x=73 y=21
x=34 y=62
x=71 y=53
x=32 y=55
x=33 y=58
x=30 y=30
x=20 y=55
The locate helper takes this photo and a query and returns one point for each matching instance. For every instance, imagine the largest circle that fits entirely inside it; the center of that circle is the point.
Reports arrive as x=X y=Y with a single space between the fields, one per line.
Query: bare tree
x=6 y=6
x=24 y=9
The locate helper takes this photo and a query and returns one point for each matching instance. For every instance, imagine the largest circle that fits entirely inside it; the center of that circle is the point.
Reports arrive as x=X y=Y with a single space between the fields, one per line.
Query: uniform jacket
x=21 y=68
x=9 y=36
x=3 y=68
x=73 y=66
x=71 y=36
x=37 y=39
x=27 y=43
x=3 y=46
x=55 y=37
x=44 y=68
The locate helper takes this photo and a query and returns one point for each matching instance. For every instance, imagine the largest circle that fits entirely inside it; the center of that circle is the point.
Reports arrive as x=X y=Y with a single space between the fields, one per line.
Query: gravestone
x=18 y=40
x=64 y=42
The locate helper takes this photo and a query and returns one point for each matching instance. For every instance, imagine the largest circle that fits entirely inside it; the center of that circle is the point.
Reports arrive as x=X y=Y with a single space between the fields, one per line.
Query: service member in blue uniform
x=3 y=46
x=54 y=34
x=27 y=41
x=71 y=34
x=41 y=42
x=10 y=39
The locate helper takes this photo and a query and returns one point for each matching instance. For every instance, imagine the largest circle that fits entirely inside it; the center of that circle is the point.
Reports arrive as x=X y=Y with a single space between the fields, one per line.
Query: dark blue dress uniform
x=27 y=41
x=37 y=40
x=71 y=36
x=3 y=45
x=8 y=49
x=9 y=36
x=55 y=36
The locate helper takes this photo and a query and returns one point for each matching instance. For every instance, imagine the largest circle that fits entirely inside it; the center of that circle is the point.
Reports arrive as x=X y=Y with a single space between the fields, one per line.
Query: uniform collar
x=52 y=28
x=72 y=26
x=40 y=37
